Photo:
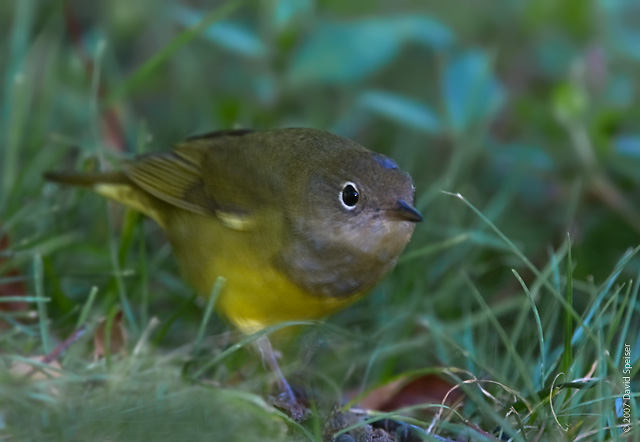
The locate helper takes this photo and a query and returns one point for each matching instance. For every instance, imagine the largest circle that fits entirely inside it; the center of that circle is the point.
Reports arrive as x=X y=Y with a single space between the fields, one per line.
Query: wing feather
x=177 y=178
x=171 y=178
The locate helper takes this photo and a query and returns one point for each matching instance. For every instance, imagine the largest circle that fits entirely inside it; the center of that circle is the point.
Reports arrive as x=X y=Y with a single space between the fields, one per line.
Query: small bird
x=300 y=222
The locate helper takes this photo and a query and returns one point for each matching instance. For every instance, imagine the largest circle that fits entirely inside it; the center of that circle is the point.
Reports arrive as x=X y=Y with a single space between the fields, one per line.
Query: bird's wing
x=172 y=178
x=192 y=178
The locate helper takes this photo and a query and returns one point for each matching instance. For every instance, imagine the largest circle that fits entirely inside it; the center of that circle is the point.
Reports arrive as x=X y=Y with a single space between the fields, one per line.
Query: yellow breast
x=256 y=294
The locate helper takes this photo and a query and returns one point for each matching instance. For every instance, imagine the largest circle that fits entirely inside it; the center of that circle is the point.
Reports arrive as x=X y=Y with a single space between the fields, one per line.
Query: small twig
x=61 y=348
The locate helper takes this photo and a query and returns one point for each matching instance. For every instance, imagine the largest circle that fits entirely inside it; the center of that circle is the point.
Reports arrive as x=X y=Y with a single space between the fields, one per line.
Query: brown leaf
x=117 y=341
x=409 y=390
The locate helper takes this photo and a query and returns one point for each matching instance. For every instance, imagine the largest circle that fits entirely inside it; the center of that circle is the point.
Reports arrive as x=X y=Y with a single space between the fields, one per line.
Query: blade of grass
x=445 y=335
x=95 y=94
x=523 y=315
x=21 y=213
x=117 y=272
x=42 y=306
x=17 y=94
x=555 y=266
x=498 y=232
x=624 y=331
x=211 y=302
x=567 y=357
x=129 y=224
x=602 y=408
x=434 y=248
x=86 y=308
x=244 y=342
x=16 y=325
x=582 y=328
x=600 y=321
x=617 y=313
x=521 y=367
x=169 y=322
x=143 y=271
x=12 y=279
x=604 y=291
x=157 y=60
x=18 y=298
x=538 y=324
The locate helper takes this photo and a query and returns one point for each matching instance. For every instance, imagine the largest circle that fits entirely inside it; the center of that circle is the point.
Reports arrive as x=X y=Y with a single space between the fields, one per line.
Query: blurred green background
x=529 y=109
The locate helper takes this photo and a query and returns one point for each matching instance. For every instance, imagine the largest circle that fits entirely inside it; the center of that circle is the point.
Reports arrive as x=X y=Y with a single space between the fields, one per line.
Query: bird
x=300 y=222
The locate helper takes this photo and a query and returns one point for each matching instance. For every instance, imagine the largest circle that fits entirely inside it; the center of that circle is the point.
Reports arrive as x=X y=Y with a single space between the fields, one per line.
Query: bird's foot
x=292 y=406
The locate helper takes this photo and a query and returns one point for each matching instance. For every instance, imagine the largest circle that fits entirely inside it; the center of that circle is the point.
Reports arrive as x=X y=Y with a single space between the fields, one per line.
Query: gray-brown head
x=352 y=215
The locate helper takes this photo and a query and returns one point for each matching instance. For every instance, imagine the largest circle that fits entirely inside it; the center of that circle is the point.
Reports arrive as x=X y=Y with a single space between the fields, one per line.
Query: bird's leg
x=287 y=399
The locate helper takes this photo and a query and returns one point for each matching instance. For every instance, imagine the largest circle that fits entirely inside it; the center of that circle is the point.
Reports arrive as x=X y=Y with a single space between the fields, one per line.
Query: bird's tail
x=116 y=186
x=87 y=179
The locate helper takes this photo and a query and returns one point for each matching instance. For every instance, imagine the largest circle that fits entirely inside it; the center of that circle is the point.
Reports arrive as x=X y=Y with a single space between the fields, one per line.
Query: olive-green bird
x=300 y=222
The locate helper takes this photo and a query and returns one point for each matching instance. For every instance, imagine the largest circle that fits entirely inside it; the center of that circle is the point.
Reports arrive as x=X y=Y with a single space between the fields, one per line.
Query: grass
x=525 y=325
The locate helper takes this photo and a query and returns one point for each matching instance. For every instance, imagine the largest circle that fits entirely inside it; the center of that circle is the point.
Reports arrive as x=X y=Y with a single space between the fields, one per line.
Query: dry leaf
x=118 y=339
x=407 y=391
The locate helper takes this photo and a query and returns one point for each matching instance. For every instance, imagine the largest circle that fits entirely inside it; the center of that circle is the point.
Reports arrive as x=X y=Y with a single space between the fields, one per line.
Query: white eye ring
x=349 y=195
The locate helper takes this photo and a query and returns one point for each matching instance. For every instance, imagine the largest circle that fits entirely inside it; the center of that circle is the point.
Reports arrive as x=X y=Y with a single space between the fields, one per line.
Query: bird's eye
x=349 y=196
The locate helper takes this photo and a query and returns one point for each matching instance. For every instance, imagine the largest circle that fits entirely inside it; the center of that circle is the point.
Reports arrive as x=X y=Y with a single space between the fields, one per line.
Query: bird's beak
x=405 y=212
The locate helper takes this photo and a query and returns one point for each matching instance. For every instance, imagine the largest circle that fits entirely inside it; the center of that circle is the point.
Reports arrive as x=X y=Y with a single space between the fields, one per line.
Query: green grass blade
x=211 y=302
x=18 y=298
x=504 y=337
x=143 y=270
x=16 y=95
x=86 y=308
x=516 y=250
x=117 y=272
x=244 y=342
x=595 y=308
x=179 y=311
x=631 y=311
x=536 y=314
x=43 y=318
x=161 y=57
x=567 y=357
x=582 y=329
x=434 y=248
